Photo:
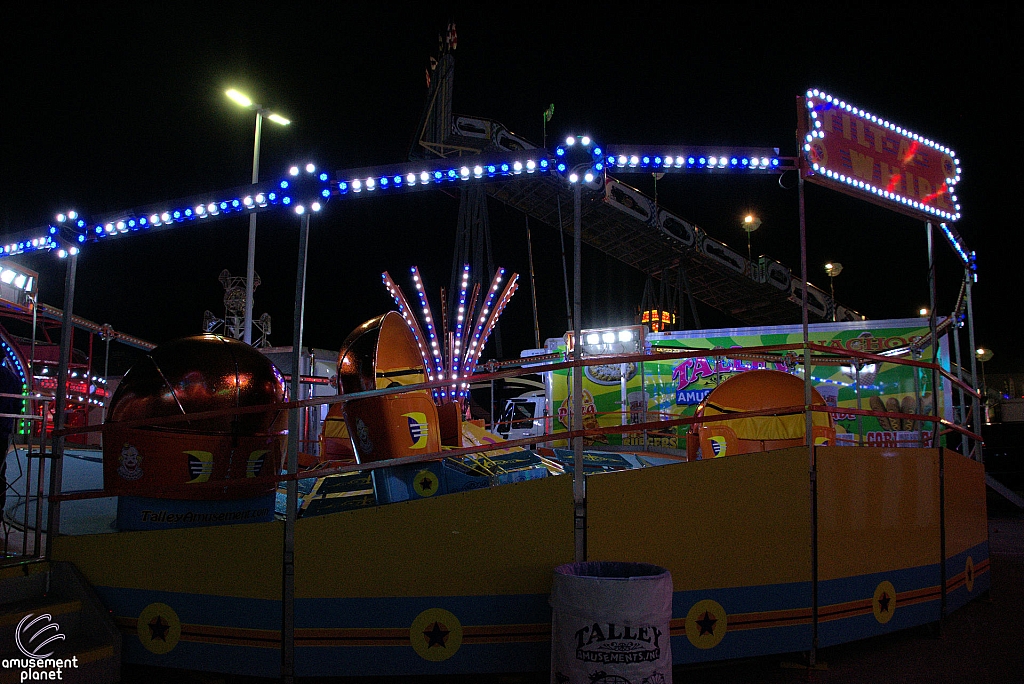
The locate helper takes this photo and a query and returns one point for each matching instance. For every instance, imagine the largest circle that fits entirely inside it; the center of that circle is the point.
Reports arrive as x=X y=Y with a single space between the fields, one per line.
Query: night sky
x=113 y=108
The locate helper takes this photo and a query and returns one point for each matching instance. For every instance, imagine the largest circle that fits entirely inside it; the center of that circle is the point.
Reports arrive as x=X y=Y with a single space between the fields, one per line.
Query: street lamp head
x=923 y=311
x=244 y=100
x=833 y=268
x=984 y=354
x=751 y=223
x=238 y=98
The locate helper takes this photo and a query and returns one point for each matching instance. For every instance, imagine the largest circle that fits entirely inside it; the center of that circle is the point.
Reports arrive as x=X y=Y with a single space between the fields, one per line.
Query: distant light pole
x=984 y=355
x=833 y=268
x=546 y=117
x=750 y=224
x=250 y=264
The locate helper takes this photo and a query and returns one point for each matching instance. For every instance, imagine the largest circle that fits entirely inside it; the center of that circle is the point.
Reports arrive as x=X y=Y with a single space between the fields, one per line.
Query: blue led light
x=176 y=215
x=284 y=184
x=398 y=180
x=343 y=187
x=325 y=193
x=323 y=177
x=286 y=200
x=504 y=168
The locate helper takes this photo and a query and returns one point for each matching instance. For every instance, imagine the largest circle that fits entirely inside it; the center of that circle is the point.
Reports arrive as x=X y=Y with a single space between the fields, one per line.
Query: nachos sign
x=864 y=155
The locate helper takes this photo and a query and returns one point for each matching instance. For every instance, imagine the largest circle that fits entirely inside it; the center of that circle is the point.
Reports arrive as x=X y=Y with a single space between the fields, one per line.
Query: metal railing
x=18 y=545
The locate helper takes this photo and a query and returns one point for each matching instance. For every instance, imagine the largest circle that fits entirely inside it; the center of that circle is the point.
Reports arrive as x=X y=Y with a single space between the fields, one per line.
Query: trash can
x=610 y=624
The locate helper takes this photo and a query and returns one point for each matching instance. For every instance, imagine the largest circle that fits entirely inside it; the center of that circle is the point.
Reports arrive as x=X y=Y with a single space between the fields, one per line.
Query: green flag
x=550 y=112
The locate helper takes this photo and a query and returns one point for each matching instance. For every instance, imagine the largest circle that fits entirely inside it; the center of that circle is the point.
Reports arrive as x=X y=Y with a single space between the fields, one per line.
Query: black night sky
x=111 y=107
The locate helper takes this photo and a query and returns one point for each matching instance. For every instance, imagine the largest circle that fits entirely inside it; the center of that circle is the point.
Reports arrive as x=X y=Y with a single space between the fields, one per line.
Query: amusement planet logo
x=33 y=635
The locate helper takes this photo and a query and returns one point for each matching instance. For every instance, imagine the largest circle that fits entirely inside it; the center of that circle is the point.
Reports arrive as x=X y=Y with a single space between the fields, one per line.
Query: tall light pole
x=250 y=263
x=750 y=224
x=833 y=268
x=983 y=355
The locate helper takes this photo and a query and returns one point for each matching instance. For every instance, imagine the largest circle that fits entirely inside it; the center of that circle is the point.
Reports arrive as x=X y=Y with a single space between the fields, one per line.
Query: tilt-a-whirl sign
x=861 y=154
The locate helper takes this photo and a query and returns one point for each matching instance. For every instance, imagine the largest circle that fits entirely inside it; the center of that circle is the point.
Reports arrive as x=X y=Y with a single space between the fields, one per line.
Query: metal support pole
x=292 y=467
x=809 y=426
x=955 y=332
x=933 y=327
x=106 y=374
x=32 y=370
x=935 y=413
x=579 y=494
x=976 y=408
x=533 y=286
x=860 y=419
x=60 y=404
x=250 y=261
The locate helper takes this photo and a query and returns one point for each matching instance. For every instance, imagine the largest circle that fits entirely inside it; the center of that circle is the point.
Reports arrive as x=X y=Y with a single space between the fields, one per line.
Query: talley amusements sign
x=864 y=155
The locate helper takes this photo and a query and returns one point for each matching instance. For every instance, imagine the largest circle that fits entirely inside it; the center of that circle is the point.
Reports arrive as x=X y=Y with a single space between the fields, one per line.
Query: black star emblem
x=426 y=484
x=883 y=602
x=158 y=628
x=707 y=624
x=437 y=635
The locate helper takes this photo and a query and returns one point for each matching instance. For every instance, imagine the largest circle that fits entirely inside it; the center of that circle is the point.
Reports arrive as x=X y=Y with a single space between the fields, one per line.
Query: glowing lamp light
x=238 y=97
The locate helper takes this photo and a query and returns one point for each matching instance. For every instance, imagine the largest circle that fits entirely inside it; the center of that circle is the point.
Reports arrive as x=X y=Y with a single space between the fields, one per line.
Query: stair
x=1004 y=491
x=55 y=598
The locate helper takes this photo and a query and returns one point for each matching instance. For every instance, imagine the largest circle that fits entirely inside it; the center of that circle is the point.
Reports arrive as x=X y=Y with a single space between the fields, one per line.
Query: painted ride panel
x=459 y=583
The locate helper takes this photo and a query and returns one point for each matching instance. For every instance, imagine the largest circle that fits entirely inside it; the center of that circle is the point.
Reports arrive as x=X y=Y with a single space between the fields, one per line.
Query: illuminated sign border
x=813 y=144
